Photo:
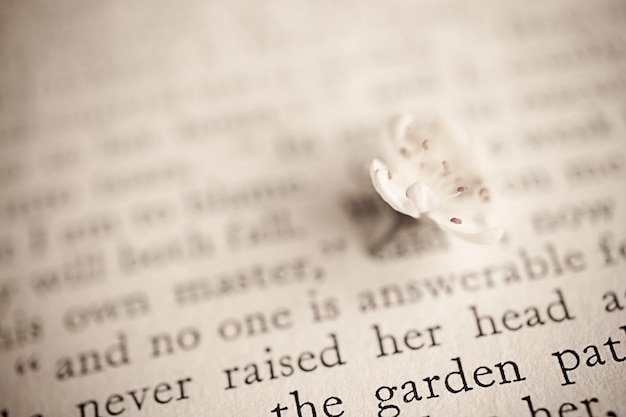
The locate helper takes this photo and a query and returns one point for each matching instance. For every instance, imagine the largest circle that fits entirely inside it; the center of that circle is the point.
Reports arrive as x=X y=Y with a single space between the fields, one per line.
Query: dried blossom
x=431 y=170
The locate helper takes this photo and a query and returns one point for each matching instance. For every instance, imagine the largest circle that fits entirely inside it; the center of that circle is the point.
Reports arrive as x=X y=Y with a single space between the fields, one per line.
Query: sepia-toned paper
x=188 y=227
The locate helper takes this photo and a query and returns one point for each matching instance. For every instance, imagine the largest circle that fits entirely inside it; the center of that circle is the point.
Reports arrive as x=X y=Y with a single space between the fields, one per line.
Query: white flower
x=433 y=172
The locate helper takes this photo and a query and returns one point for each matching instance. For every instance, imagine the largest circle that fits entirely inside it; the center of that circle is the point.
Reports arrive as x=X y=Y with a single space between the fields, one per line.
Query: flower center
x=424 y=197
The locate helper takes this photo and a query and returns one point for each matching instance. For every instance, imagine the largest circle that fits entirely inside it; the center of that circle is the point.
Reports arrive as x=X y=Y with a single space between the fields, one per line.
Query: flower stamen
x=484 y=194
x=451 y=196
x=441 y=177
x=439 y=173
x=459 y=191
x=423 y=149
x=456 y=220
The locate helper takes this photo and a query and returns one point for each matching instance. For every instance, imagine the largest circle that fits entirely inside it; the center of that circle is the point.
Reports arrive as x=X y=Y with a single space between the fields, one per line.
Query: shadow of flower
x=387 y=234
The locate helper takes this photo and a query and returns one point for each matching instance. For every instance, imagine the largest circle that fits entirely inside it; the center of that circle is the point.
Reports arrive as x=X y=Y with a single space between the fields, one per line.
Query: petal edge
x=392 y=193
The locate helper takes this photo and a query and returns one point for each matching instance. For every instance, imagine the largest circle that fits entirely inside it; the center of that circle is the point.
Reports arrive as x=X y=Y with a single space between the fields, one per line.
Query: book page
x=188 y=226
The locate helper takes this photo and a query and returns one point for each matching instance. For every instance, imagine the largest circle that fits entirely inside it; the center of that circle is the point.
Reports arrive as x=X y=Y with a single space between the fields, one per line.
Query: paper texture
x=188 y=227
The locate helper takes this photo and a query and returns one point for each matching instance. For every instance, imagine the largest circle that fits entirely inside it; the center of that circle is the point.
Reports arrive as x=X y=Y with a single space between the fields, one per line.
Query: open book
x=188 y=226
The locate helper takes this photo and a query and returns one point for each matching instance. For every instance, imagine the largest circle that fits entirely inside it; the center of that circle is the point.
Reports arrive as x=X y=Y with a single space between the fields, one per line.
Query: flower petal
x=466 y=229
x=446 y=142
x=396 y=141
x=390 y=189
x=424 y=197
x=399 y=125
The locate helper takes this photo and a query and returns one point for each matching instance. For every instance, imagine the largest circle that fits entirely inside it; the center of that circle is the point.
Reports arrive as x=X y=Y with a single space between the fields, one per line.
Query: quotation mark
x=23 y=365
